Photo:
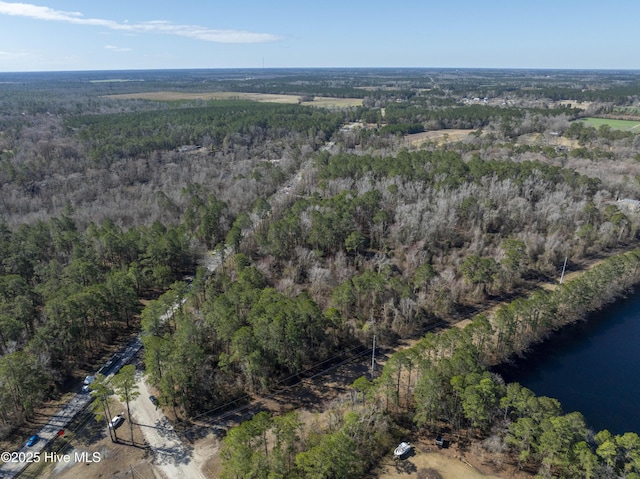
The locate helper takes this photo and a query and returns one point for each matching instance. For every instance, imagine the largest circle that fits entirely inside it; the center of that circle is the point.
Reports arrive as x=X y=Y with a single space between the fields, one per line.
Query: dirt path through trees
x=171 y=455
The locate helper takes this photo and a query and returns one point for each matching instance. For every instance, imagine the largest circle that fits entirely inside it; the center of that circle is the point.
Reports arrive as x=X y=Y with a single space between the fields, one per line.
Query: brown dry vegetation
x=431 y=463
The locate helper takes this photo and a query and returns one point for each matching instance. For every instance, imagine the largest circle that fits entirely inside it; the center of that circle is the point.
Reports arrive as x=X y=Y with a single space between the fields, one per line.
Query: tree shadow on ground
x=429 y=474
x=405 y=467
x=91 y=432
x=176 y=455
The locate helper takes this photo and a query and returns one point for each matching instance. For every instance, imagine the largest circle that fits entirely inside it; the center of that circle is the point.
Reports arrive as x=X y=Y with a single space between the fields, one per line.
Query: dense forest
x=330 y=225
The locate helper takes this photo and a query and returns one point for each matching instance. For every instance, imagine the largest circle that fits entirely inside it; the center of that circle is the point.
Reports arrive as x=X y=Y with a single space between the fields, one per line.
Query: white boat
x=402 y=449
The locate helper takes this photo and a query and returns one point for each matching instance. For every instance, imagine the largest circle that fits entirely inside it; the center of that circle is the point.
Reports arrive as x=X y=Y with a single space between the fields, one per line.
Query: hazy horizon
x=311 y=68
x=67 y=35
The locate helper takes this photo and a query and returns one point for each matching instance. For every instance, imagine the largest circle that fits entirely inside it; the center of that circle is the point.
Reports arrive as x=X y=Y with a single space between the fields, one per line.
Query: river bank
x=589 y=367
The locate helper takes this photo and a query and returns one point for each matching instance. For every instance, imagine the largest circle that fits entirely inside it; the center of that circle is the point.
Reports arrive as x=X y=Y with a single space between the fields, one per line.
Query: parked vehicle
x=116 y=422
x=32 y=440
x=86 y=385
x=106 y=369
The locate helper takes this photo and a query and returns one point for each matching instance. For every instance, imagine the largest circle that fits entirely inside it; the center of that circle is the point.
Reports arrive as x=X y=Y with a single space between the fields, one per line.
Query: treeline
x=329 y=83
x=66 y=296
x=620 y=94
x=356 y=436
x=326 y=88
x=442 y=168
x=244 y=338
x=402 y=128
x=470 y=116
x=525 y=321
x=442 y=382
x=587 y=134
x=113 y=136
x=452 y=386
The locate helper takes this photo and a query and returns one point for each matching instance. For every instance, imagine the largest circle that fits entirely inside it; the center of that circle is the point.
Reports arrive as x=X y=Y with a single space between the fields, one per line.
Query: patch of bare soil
x=429 y=462
x=91 y=453
x=583 y=105
x=207 y=452
x=171 y=455
x=541 y=139
x=440 y=137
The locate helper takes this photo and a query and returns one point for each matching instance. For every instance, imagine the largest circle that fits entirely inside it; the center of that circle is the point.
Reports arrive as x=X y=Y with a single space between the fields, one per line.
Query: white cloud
x=159 y=26
x=4 y=55
x=117 y=49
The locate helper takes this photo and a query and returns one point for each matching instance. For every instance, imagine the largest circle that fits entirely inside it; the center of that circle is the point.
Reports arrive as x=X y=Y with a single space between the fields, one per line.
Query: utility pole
x=373 y=357
x=563 y=268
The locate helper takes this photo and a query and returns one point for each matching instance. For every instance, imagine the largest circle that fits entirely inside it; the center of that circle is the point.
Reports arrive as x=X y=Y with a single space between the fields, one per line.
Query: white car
x=86 y=384
x=116 y=421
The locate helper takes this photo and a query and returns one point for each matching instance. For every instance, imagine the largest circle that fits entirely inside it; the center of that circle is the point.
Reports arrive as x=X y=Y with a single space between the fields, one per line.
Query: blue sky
x=52 y=35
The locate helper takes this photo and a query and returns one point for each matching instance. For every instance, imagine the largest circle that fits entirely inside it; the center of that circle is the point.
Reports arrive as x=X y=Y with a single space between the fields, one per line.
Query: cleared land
x=440 y=137
x=427 y=462
x=583 y=105
x=626 y=125
x=430 y=465
x=319 y=101
x=542 y=139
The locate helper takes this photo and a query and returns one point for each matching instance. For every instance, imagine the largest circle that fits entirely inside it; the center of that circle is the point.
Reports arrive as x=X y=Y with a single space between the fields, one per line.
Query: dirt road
x=171 y=456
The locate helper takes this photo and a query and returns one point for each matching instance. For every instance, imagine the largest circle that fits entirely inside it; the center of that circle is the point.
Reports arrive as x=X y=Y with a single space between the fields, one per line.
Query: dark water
x=592 y=367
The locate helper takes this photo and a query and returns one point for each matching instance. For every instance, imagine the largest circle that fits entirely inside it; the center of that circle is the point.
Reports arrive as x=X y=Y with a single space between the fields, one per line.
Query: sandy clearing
x=583 y=105
x=438 y=136
x=430 y=465
x=547 y=140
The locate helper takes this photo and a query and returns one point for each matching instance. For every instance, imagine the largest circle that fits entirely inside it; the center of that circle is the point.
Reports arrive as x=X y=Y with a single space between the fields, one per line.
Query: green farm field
x=627 y=125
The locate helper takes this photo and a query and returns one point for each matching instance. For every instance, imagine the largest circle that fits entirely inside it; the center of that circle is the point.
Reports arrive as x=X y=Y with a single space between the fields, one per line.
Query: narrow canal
x=592 y=367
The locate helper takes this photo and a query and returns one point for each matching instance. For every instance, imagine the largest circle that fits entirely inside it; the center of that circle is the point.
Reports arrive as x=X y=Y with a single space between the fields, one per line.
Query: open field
x=626 y=125
x=440 y=137
x=583 y=105
x=324 y=102
x=542 y=139
x=430 y=465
